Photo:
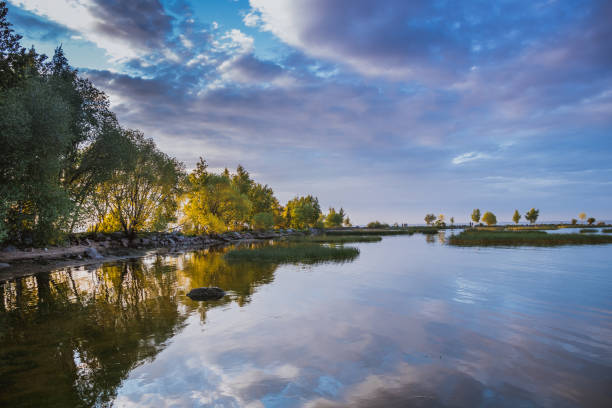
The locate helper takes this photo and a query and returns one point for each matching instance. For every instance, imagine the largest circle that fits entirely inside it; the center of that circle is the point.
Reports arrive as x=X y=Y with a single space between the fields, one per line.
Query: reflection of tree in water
x=210 y=269
x=70 y=338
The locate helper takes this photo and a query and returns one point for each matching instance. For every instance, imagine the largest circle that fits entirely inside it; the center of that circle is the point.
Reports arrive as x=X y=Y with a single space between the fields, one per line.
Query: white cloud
x=78 y=16
x=468 y=157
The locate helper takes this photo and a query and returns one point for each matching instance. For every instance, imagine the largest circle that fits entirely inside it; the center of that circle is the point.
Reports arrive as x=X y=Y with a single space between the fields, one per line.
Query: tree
x=476 y=215
x=429 y=218
x=213 y=203
x=302 y=212
x=334 y=219
x=440 y=221
x=452 y=220
x=262 y=221
x=516 y=217
x=489 y=218
x=582 y=216
x=143 y=193
x=347 y=222
x=574 y=221
x=532 y=215
x=591 y=220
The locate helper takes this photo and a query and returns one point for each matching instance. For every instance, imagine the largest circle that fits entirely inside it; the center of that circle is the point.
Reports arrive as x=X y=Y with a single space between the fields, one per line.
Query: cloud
x=124 y=29
x=468 y=157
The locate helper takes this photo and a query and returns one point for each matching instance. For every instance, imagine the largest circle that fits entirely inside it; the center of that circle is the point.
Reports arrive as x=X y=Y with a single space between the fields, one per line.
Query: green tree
x=334 y=219
x=516 y=217
x=213 y=203
x=574 y=221
x=302 y=212
x=532 y=215
x=476 y=215
x=263 y=221
x=34 y=134
x=143 y=193
x=452 y=220
x=429 y=218
x=489 y=218
x=591 y=220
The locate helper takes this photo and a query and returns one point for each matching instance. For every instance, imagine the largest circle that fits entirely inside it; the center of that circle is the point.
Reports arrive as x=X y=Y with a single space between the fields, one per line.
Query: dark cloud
x=141 y=22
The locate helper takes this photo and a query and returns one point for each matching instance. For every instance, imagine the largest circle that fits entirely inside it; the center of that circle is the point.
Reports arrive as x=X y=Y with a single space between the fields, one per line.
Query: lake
x=410 y=322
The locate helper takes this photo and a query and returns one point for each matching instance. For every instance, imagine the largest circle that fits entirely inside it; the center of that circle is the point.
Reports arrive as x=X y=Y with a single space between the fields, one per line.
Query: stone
x=4 y=265
x=93 y=253
x=9 y=248
x=210 y=293
x=125 y=242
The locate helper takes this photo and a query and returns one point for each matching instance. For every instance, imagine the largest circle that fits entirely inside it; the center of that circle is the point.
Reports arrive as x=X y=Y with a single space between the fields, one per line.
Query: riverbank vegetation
x=524 y=238
x=336 y=239
x=67 y=165
x=295 y=253
x=384 y=231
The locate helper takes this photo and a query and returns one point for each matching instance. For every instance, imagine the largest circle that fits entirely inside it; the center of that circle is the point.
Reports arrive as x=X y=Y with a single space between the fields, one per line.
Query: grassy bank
x=522 y=238
x=607 y=231
x=336 y=239
x=384 y=231
x=587 y=231
x=304 y=253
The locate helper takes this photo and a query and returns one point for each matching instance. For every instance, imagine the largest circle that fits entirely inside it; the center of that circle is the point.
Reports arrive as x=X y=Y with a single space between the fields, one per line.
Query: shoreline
x=107 y=248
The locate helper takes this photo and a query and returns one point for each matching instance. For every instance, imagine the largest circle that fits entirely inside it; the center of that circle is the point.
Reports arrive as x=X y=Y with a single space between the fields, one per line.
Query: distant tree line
x=66 y=165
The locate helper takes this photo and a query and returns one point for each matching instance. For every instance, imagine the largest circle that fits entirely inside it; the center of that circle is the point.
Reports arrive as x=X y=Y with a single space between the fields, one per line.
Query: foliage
x=588 y=231
x=429 y=218
x=142 y=193
x=337 y=239
x=574 y=221
x=582 y=216
x=532 y=215
x=302 y=212
x=476 y=215
x=262 y=221
x=607 y=231
x=530 y=238
x=297 y=253
x=452 y=220
x=516 y=217
x=334 y=219
x=591 y=220
x=377 y=224
x=347 y=222
x=489 y=218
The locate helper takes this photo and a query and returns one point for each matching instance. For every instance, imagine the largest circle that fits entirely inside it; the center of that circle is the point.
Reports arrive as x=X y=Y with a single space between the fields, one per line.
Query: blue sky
x=391 y=109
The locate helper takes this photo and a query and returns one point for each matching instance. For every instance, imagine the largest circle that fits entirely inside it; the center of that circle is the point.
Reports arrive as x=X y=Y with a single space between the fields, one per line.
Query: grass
x=384 y=231
x=534 y=228
x=587 y=231
x=607 y=231
x=303 y=253
x=336 y=239
x=524 y=238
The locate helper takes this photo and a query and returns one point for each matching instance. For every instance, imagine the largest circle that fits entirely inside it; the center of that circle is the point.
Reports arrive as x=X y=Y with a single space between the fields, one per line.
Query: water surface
x=411 y=322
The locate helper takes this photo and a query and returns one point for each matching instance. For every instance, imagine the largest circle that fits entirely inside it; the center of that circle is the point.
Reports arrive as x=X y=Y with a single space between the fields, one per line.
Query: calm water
x=411 y=322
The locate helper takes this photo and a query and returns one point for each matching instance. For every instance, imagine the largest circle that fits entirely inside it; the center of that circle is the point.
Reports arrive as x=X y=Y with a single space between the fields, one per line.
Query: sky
x=391 y=109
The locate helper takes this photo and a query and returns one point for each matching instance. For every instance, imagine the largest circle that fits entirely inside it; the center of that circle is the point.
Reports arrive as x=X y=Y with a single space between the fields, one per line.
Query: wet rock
x=4 y=265
x=211 y=293
x=125 y=242
x=93 y=253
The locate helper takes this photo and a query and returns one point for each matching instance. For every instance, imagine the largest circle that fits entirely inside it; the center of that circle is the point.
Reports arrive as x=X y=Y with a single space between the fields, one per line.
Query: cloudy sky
x=389 y=108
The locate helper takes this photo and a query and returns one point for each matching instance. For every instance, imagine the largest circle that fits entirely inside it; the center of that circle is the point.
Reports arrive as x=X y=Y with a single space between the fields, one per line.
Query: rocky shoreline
x=96 y=248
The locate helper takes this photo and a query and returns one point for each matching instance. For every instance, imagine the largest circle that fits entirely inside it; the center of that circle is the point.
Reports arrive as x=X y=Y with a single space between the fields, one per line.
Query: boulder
x=4 y=265
x=9 y=248
x=212 y=293
x=93 y=253
x=125 y=242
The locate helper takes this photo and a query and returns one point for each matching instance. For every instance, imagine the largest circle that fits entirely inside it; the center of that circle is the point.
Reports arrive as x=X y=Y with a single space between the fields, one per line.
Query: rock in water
x=212 y=293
